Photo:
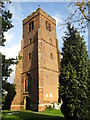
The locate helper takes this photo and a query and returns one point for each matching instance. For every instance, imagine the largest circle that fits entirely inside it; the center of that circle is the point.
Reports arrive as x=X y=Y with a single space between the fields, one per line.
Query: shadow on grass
x=39 y=116
x=29 y=115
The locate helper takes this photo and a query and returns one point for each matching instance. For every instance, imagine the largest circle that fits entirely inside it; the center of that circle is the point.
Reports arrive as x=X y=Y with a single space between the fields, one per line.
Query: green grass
x=49 y=114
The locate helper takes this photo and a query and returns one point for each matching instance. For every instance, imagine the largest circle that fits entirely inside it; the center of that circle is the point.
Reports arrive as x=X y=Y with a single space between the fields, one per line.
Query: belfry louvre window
x=48 y=26
x=31 y=26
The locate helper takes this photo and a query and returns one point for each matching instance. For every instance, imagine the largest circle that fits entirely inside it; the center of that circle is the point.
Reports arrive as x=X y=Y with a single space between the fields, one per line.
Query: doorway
x=27 y=103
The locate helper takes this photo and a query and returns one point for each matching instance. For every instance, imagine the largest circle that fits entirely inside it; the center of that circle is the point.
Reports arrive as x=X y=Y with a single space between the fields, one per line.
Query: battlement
x=37 y=12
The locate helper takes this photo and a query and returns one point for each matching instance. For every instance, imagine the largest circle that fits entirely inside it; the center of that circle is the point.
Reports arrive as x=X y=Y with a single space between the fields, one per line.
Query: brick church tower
x=36 y=76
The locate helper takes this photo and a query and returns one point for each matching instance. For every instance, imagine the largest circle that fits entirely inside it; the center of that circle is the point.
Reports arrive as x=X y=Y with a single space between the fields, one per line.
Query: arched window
x=29 y=83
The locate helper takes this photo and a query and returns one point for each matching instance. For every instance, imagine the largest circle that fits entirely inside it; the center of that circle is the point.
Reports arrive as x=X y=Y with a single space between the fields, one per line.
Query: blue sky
x=21 y=10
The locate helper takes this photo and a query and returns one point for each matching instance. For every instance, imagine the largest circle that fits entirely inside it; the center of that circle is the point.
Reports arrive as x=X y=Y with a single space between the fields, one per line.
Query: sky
x=20 y=11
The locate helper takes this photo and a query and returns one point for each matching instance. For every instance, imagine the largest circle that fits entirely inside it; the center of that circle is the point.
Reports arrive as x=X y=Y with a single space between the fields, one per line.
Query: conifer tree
x=73 y=76
x=89 y=89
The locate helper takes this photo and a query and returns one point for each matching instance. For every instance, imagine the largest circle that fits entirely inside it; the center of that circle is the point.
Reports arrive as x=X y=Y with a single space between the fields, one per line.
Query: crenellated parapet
x=37 y=12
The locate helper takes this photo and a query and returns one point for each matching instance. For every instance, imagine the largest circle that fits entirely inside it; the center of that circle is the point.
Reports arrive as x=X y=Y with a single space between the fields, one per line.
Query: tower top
x=39 y=11
x=39 y=6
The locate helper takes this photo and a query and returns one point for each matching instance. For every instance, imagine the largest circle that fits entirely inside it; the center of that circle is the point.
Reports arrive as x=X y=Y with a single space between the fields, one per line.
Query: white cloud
x=12 y=76
x=11 y=52
x=58 y=19
x=8 y=36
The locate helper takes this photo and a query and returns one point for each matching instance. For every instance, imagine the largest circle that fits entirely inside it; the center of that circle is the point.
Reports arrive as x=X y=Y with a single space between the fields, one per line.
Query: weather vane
x=39 y=5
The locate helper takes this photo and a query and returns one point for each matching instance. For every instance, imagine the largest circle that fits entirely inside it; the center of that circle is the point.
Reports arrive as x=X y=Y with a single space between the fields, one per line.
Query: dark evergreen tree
x=10 y=88
x=89 y=89
x=73 y=76
x=5 y=17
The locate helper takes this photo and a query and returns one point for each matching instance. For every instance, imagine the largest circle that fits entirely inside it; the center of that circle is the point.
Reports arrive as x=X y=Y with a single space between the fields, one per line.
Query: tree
x=6 y=19
x=8 y=92
x=6 y=70
x=73 y=76
x=10 y=88
x=89 y=88
x=80 y=15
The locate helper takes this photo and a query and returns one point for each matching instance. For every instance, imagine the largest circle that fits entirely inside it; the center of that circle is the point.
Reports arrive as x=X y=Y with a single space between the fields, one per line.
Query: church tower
x=37 y=73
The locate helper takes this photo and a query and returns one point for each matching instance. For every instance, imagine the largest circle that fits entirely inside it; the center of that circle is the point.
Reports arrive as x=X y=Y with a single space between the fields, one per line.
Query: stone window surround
x=48 y=26
x=30 y=26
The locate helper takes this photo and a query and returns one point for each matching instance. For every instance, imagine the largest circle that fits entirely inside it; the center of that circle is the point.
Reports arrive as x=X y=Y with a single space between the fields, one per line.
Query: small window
x=51 y=56
x=29 y=56
x=44 y=62
x=50 y=41
x=49 y=27
x=30 y=40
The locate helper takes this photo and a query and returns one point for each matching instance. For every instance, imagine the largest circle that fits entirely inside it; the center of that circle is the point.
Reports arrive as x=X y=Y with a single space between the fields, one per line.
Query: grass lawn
x=49 y=114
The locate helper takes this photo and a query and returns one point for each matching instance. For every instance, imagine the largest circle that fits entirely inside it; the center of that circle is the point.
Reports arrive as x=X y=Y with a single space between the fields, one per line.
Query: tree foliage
x=6 y=63
x=6 y=19
x=89 y=88
x=73 y=76
x=8 y=97
x=80 y=14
